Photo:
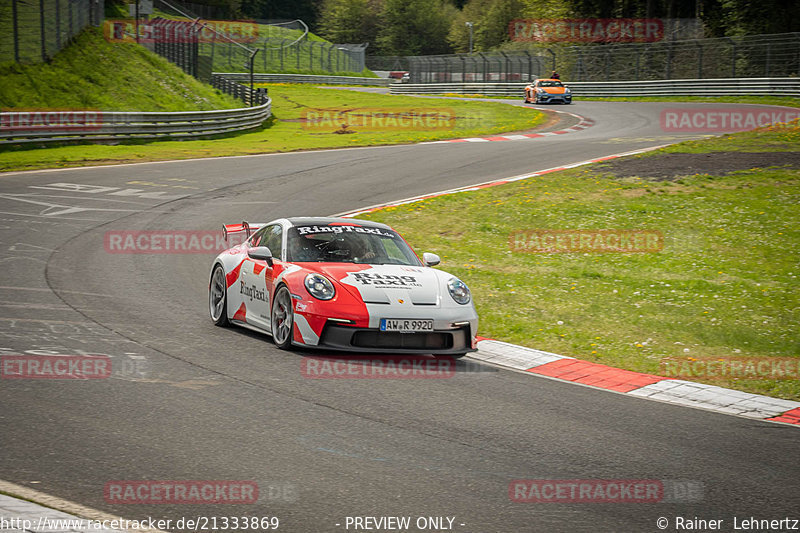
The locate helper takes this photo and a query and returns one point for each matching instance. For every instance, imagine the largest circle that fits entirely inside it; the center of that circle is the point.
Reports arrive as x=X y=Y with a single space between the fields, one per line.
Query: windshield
x=550 y=84
x=348 y=244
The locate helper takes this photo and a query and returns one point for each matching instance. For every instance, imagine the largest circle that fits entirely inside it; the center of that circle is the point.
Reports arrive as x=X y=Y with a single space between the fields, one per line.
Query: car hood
x=387 y=284
x=553 y=90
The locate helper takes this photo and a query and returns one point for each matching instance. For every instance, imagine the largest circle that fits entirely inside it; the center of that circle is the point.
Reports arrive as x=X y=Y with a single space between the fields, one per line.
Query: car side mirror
x=260 y=253
x=430 y=259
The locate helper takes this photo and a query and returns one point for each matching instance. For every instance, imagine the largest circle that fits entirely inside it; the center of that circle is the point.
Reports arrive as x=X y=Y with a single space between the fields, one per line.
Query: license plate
x=406 y=324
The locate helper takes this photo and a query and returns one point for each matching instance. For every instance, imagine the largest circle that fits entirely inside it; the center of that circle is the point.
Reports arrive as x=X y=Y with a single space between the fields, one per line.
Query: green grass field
x=724 y=285
x=286 y=132
x=95 y=74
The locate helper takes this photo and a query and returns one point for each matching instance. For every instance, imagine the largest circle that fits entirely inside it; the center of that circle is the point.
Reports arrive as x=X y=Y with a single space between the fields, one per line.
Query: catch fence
x=768 y=56
x=32 y=31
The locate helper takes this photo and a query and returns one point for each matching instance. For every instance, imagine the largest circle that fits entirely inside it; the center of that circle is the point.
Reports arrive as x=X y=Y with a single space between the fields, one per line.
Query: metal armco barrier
x=29 y=127
x=706 y=87
x=306 y=78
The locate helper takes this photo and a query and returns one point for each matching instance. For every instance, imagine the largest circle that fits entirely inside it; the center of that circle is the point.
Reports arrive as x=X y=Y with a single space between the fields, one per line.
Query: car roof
x=305 y=221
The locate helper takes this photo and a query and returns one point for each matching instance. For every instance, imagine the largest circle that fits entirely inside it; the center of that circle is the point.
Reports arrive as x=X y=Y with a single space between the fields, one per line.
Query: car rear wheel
x=282 y=318
x=218 y=297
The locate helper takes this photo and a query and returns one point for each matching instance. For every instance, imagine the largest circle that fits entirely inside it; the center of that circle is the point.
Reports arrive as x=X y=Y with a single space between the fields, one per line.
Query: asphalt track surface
x=190 y=401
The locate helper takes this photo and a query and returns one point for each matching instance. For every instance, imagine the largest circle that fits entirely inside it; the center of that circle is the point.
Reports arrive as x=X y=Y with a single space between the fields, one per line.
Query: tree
x=491 y=19
x=740 y=17
x=415 y=27
x=350 y=21
x=304 y=10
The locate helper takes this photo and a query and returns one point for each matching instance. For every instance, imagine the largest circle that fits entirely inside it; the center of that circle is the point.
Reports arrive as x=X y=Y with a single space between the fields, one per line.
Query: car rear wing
x=245 y=226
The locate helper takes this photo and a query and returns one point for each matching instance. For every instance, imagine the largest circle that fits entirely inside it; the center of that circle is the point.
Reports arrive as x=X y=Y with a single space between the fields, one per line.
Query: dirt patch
x=667 y=167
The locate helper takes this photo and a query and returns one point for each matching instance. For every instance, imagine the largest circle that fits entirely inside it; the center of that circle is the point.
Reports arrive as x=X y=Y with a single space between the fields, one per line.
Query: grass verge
x=725 y=284
x=787 y=101
x=92 y=73
x=287 y=131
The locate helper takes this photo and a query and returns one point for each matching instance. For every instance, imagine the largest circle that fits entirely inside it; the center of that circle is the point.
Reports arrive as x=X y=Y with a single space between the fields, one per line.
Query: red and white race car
x=340 y=284
x=547 y=91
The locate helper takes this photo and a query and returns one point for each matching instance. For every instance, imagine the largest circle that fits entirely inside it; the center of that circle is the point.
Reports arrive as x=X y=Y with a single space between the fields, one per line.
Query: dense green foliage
x=414 y=27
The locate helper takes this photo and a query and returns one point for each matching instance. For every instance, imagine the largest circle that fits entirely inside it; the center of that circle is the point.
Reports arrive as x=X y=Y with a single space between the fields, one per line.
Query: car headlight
x=539 y=90
x=566 y=90
x=459 y=291
x=319 y=287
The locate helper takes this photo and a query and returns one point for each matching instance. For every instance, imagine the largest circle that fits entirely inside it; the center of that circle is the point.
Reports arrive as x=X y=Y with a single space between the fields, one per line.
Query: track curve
x=208 y=403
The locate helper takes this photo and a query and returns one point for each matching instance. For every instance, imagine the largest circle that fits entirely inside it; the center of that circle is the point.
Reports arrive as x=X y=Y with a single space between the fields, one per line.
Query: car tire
x=218 y=297
x=282 y=318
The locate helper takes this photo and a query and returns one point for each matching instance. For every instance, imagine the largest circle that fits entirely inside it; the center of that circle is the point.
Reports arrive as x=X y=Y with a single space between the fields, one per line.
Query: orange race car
x=546 y=91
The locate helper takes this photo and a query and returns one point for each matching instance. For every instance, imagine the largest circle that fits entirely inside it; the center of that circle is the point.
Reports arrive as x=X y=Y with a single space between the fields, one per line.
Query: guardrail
x=705 y=87
x=237 y=90
x=306 y=78
x=21 y=127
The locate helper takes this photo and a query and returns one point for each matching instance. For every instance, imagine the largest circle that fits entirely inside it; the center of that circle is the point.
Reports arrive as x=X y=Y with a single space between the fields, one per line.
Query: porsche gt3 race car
x=546 y=91
x=340 y=284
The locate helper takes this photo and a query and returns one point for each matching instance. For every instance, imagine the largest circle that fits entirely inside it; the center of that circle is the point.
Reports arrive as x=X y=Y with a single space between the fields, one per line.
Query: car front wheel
x=218 y=297
x=282 y=318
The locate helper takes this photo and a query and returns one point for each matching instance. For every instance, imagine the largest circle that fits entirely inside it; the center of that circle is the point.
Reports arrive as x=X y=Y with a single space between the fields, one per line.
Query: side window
x=259 y=237
x=273 y=239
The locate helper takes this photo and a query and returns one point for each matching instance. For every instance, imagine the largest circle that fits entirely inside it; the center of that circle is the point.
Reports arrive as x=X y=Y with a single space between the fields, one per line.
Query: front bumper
x=372 y=340
x=547 y=98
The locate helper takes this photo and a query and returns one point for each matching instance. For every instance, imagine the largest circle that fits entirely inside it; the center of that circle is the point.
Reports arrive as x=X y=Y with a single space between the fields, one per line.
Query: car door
x=256 y=277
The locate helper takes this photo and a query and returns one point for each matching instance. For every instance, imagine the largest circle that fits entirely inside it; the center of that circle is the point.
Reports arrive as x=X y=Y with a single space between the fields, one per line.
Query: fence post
x=669 y=61
x=530 y=65
x=58 y=25
x=16 y=29
x=41 y=29
x=483 y=74
x=733 y=56
x=769 y=57
x=699 y=60
x=554 y=58
x=69 y=10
